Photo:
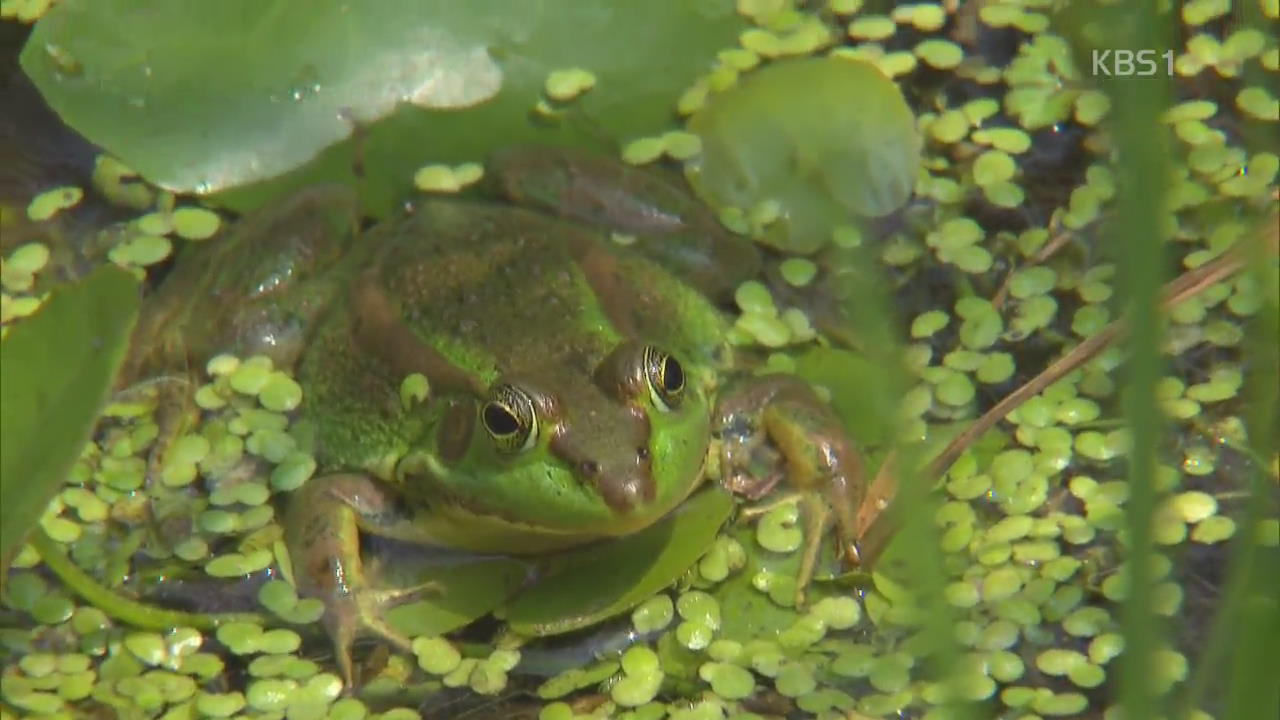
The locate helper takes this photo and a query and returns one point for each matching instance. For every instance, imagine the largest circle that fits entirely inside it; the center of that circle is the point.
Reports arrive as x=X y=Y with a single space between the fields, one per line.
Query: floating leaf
x=55 y=370
x=824 y=137
x=200 y=96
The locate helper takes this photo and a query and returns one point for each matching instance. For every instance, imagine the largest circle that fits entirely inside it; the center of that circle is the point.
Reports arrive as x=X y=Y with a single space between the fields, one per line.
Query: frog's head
x=563 y=452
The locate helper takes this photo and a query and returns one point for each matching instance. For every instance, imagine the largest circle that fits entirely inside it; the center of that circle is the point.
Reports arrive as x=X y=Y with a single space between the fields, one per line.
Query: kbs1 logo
x=1132 y=63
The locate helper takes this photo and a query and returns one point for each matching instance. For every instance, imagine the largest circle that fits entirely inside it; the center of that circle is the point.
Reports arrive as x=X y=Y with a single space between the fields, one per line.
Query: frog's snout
x=626 y=486
x=622 y=477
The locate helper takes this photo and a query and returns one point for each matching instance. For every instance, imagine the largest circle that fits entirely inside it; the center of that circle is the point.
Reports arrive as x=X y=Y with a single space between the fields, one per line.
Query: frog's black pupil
x=672 y=375
x=500 y=420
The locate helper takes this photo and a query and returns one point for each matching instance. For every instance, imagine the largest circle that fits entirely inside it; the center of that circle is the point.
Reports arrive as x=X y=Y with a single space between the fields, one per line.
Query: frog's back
x=469 y=292
x=495 y=289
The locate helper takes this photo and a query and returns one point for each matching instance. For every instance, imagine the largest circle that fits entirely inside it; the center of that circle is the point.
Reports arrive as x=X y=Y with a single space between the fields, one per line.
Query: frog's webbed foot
x=354 y=612
x=323 y=534
x=821 y=463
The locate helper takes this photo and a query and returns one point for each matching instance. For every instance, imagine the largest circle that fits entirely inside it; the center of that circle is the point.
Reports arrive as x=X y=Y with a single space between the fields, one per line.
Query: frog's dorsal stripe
x=378 y=325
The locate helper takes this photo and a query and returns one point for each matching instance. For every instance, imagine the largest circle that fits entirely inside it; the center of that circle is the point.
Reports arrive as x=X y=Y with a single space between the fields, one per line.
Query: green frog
x=572 y=330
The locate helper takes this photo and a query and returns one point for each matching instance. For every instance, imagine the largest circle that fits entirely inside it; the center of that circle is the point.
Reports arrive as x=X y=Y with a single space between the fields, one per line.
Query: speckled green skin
x=470 y=295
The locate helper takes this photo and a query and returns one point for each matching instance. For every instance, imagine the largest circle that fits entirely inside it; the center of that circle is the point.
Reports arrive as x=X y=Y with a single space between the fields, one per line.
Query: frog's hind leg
x=322 y=531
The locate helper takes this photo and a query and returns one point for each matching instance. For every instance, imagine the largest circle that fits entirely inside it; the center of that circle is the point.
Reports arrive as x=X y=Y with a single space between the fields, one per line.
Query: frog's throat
x=503 y=526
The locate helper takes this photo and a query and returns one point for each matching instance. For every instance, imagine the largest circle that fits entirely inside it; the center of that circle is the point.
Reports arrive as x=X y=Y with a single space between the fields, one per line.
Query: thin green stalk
x=131 y=612
x=1142 y=144
x=917 y=538
x=1238 y=655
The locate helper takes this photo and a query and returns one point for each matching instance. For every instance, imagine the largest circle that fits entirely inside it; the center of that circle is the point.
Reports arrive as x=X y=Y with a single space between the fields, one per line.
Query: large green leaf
x=201 y=96
x=56 y=368
x=830 y=139
x=603 y=580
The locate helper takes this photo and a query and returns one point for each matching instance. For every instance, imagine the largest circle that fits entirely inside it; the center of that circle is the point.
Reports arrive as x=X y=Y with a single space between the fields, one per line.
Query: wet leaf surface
x=55 y=370
x=289 y=80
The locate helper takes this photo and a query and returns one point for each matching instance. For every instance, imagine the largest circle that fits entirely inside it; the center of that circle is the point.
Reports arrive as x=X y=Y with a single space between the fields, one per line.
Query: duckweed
x=1055 y=704
x=280 y=393
x=680 y=145
x=567 y=84
x=798 y=271
x=1105 y=647
x=1010 y=528
x=890 y=673
x=1258 y=102
x=270 y=695
x=436 y=655
x=219 y=705
x=653 y=614
x=52 y=609
x=949 y=127
x=348 y=709
x=446 y=179
x=195 y=223
x=51 y=202
x=838 y=613
x=726 y=554
x=962 y=594
x=641 y=679
x=993 y=166
x=141 y=250
x=1213 y=529
x=1009 y=140
x=777 y=530
x=577 y=678
x=694 y=635
x=643 y=150
x=18 y=270
x=399 y=714
x=940 y=54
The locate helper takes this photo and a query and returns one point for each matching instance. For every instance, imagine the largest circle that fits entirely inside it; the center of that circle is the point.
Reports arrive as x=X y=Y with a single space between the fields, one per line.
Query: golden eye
x=510 y=419
x=665 y=377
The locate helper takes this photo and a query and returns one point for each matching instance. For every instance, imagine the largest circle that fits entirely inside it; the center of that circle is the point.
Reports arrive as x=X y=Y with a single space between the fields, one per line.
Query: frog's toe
x=363 y=612
x=373 y=605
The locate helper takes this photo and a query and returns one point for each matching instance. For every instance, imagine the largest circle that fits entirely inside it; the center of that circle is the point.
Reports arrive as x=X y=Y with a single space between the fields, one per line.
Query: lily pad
x=55 y=370
x=830 y=139
x=606 y=579
x=201 y=97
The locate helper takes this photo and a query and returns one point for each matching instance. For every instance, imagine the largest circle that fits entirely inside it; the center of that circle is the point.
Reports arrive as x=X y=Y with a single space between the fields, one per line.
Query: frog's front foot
x=322 y=531
x=820 y=461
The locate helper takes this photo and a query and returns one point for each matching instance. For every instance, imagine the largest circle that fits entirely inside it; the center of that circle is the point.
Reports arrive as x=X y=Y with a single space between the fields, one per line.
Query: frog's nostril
x=589 y=468
x=642 y=453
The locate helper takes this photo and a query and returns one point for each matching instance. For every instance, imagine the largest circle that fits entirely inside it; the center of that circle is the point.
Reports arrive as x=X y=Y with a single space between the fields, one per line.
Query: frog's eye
x=510 y=419
x=665 y=377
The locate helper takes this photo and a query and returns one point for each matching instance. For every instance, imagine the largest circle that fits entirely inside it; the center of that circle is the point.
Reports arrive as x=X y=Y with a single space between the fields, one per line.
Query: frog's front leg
x=322 y=530
x=821 y=461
